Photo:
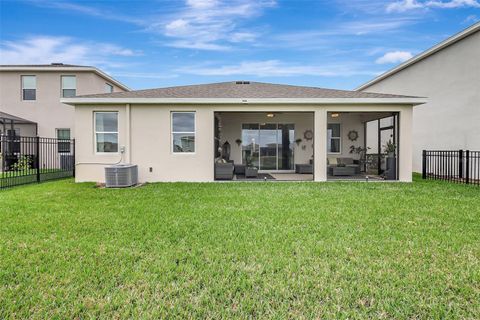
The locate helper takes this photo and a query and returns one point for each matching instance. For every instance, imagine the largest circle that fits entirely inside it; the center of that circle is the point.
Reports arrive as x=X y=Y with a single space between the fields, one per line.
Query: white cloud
x=471 y=19
x=211 y=24
x=344 y=37
x=198 y=24
x=394 y=57
x=87 y=10
x=198 y=45
x=453 y=4
x=243 y=36
x=407 y=5
x=47 y=49
x=269 y=68
x=202 y=3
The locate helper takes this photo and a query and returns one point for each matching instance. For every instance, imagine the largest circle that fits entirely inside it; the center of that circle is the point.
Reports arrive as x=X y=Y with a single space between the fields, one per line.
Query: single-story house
x=242 y=129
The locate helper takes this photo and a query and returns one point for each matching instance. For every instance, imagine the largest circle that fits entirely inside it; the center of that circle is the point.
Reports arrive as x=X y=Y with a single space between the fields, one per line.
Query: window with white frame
x=183 y=132
x=63 y=140
x=108 y=88
x=69 y=86
x=106 y=131
x=29 y=87
x=334 y=138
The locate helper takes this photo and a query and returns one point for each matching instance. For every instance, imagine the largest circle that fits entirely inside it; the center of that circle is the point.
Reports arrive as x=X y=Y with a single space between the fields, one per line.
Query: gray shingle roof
x=242 y=89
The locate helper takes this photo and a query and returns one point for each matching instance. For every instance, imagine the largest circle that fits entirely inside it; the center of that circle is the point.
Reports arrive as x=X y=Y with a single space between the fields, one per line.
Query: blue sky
x=146 y=44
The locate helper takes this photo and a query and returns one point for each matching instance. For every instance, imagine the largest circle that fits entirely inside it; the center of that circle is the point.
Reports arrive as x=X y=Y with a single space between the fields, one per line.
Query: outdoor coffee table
x=343 y=171
x=304 y=168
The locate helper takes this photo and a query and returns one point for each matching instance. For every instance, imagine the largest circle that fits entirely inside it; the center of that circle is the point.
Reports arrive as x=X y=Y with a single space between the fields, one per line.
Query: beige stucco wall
x=450 y=79
x=47 y=110
x=144 y=131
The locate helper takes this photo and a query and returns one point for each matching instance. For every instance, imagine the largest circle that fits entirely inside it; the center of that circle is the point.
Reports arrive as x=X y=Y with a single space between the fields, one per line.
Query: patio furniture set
x=343 y=166
x=226 y=170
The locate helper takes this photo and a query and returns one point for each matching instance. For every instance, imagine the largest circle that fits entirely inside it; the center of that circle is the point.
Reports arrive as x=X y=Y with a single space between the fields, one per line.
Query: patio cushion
x=346 y=161
x=332 y=161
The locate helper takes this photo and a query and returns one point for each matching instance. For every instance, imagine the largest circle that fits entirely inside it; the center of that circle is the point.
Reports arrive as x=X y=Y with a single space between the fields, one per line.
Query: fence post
x=74 y=166
x=467 y=166
x=460 y=164
x=37 y=158
x=424 y=164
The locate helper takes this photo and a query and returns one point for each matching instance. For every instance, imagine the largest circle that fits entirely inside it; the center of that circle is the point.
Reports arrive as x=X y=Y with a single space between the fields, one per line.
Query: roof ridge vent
x=57 y=64
x=242 y=82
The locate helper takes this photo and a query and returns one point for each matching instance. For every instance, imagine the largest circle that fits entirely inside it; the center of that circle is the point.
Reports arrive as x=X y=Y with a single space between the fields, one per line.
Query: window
x=108 y=88
x=69 y=86
x=106 y=131
x=183 y=132
x=63 y=142
x=333 y=138
x=29 y=87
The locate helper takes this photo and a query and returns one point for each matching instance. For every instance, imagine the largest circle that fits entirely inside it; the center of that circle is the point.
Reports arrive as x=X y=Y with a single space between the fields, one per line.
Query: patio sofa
x=353 y=167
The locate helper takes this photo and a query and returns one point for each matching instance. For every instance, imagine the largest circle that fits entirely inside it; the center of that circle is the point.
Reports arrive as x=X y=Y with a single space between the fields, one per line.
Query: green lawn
x=218 y=250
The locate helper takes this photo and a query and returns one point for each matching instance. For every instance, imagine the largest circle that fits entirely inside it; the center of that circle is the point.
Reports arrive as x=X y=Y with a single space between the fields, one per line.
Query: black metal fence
x=459 y=166
x=26 y=160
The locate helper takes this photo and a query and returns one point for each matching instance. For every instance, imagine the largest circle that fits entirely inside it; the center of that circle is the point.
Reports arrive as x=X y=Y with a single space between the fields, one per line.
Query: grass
x=222 y=250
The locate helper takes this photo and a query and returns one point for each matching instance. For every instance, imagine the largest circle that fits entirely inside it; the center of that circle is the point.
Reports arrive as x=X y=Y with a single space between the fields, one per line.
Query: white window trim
x=61 y=84
x=56 y=136
x=21 y=84
x=95 y=132
x=172 y=151
x=339 y=139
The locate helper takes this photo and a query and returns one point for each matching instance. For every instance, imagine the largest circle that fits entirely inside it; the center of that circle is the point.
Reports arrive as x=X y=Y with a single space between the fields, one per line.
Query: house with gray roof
x=243 y=130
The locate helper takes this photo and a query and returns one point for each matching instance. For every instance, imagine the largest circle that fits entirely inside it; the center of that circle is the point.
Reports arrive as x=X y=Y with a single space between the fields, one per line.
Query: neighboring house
x=173 y=134
x=449 y=75
x=30 y=97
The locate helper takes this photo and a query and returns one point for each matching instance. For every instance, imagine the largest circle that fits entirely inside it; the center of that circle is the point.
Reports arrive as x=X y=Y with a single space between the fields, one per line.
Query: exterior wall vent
x=121 y=176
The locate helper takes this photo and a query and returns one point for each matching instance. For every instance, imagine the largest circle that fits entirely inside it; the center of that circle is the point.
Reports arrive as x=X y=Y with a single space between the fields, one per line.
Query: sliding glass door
x=250 y=147
x=268 y=146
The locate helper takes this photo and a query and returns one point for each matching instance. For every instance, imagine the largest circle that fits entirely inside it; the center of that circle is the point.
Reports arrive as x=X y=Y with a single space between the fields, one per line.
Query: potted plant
x=391 y=172
x=362 y=155
x=389 y=148
x=358 y=150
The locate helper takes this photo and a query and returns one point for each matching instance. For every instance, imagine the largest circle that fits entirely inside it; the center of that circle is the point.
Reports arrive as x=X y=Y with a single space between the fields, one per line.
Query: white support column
x=320 y=152
x=210 y=145
x=405 y=152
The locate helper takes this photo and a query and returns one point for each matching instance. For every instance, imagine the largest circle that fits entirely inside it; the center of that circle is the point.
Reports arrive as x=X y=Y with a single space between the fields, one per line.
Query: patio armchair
x=224 y=171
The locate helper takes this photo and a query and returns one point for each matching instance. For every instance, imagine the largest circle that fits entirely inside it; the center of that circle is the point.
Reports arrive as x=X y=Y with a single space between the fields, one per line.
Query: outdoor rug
x=261 y=176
